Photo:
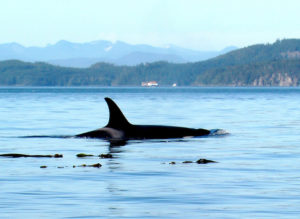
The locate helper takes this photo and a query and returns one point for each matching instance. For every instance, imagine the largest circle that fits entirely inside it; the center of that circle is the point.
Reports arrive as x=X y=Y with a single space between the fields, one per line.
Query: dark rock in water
x=43 y=166
x=105 y=156
x=84 y=155
x=205 y=161
x=13 y=155
x=187 y=161
x=173 y=162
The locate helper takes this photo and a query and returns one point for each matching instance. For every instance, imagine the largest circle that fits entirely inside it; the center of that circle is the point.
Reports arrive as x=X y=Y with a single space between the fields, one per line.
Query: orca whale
x=118 y=128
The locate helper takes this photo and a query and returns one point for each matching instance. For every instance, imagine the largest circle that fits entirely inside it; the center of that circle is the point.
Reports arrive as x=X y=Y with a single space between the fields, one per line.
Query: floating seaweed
x=84 y=155
x=14 y=155
x=105 y=156
x=188 y=161
x=205 y=161
x=91 y=155
x=97 y=165
x=200 y=161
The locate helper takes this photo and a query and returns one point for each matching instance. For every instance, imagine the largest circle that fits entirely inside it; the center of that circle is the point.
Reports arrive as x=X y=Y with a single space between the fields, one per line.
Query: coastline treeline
x=276 y=64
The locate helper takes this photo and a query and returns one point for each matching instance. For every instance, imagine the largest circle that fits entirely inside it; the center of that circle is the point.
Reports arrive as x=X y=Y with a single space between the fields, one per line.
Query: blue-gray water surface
x=257 y=174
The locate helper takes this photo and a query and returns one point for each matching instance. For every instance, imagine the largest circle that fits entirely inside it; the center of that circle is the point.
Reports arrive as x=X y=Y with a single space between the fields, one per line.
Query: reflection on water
x=116 y=143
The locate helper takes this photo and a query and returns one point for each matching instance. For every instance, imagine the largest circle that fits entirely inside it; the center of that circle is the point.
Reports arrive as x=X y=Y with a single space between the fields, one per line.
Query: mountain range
x=276 y=64
x=82 y=55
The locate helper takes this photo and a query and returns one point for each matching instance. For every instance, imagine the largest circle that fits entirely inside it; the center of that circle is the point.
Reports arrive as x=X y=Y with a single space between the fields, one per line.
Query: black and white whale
x=118 y=128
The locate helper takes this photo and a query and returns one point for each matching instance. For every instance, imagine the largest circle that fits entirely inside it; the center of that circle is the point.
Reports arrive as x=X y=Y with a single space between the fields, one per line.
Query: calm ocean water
x=257 y=174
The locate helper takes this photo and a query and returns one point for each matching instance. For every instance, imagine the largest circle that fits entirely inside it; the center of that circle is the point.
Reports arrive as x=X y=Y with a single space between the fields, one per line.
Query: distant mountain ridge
x=82 y=55
x=276 y=64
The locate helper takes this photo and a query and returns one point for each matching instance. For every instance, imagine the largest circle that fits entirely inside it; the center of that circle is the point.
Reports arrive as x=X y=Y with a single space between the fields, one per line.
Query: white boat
x=150 y=84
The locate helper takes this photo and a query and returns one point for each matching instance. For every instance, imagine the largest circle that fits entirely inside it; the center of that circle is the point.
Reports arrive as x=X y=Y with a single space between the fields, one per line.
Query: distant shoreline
x=148 y=88
x=261 y=65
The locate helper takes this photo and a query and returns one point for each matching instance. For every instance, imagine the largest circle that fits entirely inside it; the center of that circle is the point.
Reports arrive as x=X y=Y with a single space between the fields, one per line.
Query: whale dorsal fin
x=116 y=117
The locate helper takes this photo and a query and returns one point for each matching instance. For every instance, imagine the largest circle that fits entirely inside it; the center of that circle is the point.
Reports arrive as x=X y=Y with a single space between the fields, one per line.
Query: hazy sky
x=197 y=24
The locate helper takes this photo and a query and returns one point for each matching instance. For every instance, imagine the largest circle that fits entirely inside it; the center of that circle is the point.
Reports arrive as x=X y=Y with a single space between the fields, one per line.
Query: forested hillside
x=275 y=64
